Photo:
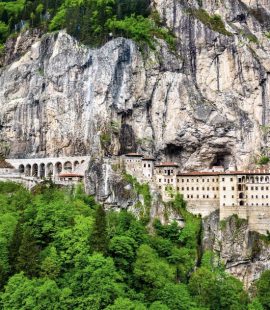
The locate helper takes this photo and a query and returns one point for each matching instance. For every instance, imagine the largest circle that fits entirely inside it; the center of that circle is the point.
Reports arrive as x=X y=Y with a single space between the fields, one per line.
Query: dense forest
x=59 y=249
x=93 y=22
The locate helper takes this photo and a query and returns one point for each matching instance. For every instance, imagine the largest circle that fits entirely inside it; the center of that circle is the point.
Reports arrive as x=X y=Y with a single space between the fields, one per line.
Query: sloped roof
x=167 y=164
x=70 y=175
x=133 y=155
x=5 y=165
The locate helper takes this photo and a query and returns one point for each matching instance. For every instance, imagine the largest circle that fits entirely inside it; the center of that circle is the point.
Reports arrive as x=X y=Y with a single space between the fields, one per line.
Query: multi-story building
x=245 y=193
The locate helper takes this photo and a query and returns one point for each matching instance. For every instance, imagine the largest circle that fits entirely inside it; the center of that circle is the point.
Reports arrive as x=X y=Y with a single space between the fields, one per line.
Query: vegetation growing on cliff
x=213 y=22
x=93 y=22
x=60 y=250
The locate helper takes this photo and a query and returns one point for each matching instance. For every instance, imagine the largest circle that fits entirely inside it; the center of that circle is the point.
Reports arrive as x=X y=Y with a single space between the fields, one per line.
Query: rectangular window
x=231 y=179
x=224 y=188
x=223 y=179
x=232 y=188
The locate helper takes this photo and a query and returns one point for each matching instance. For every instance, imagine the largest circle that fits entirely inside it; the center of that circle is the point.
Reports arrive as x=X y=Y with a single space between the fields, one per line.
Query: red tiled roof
x=199 y=173
x=149 y=158
x=5 y=165
x=70 y=175
x=167 y=164
x=134 y=155
x=209 y=173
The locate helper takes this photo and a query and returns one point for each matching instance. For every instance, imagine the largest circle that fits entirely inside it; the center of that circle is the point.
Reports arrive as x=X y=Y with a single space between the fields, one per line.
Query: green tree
x=150 y=271
x=122 y=249
x=97 y=285
x=28 y=259
x=23 y=293
x=217 y=290
x=99 y=236
x=126 y=304
x=263 y=289
x=176 y=297
x=51 y=264
x=255 y=305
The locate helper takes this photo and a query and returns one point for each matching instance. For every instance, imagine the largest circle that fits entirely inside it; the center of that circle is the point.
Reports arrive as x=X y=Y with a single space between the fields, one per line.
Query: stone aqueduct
x=49 y=167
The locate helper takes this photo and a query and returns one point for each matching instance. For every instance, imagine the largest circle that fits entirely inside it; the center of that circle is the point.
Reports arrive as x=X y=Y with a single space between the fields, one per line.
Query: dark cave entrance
x=173 y=151
x=222 y=159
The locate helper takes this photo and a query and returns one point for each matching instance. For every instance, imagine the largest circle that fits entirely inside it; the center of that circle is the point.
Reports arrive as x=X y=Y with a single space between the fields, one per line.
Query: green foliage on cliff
x=61 y=250
x=144 y=191
x=93 y=22
x=213 y=22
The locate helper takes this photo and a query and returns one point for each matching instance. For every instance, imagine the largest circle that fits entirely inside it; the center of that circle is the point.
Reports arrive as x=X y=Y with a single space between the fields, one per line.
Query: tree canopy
x=61 y=250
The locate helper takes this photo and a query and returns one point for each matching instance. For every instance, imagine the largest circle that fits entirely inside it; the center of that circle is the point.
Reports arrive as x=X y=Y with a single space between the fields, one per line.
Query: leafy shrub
x=214 y=22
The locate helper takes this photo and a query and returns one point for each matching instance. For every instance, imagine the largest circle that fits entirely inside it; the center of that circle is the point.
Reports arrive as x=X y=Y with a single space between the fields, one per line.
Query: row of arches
x=254 y=179
x=48 y=170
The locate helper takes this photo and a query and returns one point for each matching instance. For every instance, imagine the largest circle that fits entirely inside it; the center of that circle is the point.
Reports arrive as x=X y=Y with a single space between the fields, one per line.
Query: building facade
x=244 y=193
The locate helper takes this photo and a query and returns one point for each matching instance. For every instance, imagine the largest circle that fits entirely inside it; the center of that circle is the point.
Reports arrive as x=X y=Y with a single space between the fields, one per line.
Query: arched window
x=42 y=170
x=241 y=203
x=58 y=167
x=35 y=170
x=241 y=195
x=21 y=169
x=49 y=170
x=68 y=166
x=28 y=170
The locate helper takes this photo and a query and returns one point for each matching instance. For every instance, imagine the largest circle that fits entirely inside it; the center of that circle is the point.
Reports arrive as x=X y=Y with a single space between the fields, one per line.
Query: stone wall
x=258 y=217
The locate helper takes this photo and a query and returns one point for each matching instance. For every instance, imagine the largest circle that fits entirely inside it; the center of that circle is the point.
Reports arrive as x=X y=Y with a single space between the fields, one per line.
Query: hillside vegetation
x=93 y=22
x=61 y=250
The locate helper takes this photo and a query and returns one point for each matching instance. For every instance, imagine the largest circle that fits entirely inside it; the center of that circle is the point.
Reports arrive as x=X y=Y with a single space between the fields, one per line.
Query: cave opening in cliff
x=173 y=151
x=222 y=159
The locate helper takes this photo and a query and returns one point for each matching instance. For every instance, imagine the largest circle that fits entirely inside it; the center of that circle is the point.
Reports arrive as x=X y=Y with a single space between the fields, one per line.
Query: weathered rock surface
x=209 y=104
x=245 y=253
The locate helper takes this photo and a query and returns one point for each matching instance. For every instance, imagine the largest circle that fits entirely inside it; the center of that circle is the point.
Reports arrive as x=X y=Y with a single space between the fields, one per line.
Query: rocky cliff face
x=246 y=254
x=206 y=104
